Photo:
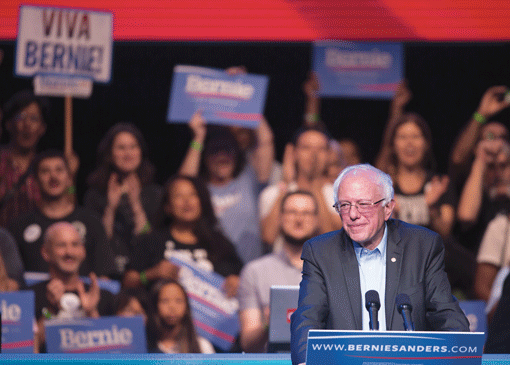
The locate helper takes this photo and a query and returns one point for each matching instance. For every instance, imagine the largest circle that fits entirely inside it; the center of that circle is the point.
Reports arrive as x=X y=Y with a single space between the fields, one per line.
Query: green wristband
x=143 y=278
x=197 y=146
x=46 y=313
x=479 y=118
x=146 y=228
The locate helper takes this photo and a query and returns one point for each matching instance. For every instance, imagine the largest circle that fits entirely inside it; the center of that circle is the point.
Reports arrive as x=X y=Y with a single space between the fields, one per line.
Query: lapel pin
x=393 y=259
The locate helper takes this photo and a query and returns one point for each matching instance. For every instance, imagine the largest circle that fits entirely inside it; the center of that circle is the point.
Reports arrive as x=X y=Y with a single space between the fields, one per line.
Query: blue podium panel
x=183 y=359
x=393 y=347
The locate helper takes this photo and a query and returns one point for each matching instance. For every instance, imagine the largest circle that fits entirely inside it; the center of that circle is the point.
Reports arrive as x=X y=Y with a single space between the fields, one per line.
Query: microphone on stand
x=403 y=303
x=372 y=303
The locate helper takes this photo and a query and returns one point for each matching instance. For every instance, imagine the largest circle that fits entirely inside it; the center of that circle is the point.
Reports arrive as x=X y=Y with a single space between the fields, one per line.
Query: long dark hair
x=428 y=161
x=187 y=337
x=206 y=228
x=99 y=177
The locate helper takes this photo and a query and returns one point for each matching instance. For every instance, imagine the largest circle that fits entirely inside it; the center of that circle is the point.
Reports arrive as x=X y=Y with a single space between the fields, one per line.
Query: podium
x=393 y=347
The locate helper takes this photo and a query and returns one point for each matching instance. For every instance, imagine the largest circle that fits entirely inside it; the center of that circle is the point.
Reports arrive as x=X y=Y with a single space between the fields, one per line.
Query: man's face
x=311 y=154
x=367 y=229
x=27 y=127
x=65 y=252
x=221 y=165
x=300 y=217
x=493 y=131
x=53 y=177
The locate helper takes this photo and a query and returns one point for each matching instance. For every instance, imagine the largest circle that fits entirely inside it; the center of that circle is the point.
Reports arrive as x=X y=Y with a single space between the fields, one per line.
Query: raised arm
x=470 y=200
x=191 y=164
x=312 y=100
x=264 y=152
x=402 y=96
x=491 y=103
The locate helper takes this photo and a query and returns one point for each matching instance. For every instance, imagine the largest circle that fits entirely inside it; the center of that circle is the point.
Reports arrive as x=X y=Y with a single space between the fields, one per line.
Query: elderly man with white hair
x=371 y=252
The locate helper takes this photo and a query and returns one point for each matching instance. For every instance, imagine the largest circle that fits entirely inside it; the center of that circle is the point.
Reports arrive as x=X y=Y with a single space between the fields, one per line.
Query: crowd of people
x=232 y=209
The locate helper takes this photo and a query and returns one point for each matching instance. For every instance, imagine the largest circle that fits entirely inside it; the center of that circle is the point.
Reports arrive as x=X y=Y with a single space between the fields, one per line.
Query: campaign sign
x=222 y=98
x=214 y=315
x=32 y=278
x=64 y=41
x=358 y=69
x=17 y=310
x=98 y=335
x=393 y=347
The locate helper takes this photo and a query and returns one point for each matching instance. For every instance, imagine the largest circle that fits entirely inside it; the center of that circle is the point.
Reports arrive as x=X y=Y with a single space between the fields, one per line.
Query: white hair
x=381 y=179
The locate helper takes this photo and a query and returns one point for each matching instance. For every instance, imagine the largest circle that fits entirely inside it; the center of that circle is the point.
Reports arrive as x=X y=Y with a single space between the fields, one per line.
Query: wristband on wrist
x=146 y=228
x=197 y=146
x=143 y=278
x=46 y=313
x=479 y=118
x=311 y=118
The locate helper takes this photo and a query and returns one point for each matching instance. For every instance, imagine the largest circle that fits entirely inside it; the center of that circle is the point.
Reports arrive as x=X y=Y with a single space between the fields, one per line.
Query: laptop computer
x=283 y=300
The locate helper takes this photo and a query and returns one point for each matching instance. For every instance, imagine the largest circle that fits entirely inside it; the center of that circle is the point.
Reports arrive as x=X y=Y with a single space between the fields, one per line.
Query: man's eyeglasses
x=362 y=206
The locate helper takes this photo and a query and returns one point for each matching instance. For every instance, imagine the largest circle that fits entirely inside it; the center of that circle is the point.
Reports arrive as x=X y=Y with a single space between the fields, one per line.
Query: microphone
x=405 y=308
x=372 y=303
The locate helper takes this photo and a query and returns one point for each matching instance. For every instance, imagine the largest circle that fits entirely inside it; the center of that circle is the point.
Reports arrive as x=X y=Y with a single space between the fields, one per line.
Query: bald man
x=65 y=295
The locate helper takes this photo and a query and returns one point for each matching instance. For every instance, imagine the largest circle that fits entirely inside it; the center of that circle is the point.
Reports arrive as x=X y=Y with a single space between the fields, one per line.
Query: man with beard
x=300 y=222
x=304 y=168
x=64 y=295
x=54 y=180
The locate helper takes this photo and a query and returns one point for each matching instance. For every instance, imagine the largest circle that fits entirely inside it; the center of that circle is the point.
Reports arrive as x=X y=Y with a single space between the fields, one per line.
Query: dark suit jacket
x=330 y=295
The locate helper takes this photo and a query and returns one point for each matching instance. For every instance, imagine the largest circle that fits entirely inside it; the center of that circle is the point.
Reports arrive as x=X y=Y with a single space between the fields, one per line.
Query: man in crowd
x=65 y=295
x=24 y=121
x=371 y=252
x=54 y=180
x=304 y=168
x=300 y=222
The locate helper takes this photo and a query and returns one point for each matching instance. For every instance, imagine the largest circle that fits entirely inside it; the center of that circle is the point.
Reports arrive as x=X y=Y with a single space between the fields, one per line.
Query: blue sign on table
x=358 y=69
x=214 y=315
x=393 y=347
x=96 y=335
x=17 y=321
x=222 y=98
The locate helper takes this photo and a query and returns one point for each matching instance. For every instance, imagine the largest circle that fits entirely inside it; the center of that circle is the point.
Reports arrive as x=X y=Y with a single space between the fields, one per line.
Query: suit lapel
x=351 y=275
x=394 y=256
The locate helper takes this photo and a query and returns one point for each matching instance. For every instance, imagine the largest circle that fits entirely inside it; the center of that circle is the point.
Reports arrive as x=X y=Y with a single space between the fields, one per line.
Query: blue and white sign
x=32 y=278
x=358 y=69
x=65 y=42
x=393 y=347
x=222 y=98
x=96 y=335
x=17 y=321
x=214 y=315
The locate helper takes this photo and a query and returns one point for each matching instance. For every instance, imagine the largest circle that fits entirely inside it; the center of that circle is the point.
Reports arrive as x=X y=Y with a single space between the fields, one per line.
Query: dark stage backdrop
x=447 y=81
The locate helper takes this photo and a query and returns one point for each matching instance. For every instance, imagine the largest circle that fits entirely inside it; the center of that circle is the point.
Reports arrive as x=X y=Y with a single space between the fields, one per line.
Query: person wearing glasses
x=299 y=223
x=371 y=252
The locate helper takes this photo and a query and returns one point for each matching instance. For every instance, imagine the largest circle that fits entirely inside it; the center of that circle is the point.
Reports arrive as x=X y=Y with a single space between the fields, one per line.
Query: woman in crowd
x=422 y=197
x=171 y=328
x=189 y=232
x=233 y=184
x=122 y=189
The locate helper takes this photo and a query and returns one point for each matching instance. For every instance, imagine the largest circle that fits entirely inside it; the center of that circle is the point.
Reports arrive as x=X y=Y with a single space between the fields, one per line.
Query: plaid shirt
x=24 y=199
